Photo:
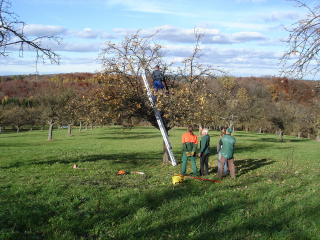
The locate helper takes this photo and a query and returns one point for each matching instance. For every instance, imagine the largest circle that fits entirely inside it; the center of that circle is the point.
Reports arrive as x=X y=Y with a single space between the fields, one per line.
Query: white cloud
x=64 y=46
x=149 y=6
x=16 y=61
x=232 y=58
x=243 y=25
x=175 y=34
x=78 y=60
x=240 y=37
x=168 y=33
x=107 y=36
x=278 y=16
x=78 y=47
x=278 y=41
x=88 y=33
x=43 y=30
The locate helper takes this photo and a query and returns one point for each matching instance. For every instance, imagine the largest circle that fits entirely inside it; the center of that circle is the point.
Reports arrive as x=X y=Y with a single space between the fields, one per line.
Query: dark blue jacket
x=157 y=76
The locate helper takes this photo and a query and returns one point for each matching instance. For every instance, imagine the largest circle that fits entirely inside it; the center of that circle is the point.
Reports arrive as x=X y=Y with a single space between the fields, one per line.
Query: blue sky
x=243 y=36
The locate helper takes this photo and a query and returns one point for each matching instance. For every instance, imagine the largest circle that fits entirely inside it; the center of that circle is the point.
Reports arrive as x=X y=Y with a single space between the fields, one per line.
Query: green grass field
x=275 y=195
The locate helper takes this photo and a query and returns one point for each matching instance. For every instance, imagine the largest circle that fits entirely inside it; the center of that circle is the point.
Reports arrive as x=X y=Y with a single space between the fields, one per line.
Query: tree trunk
x=246 y=129
x=50 y=131
x=317 y=137
x=276 y=132
x=299 y=134
x=280 y=132
x=59 y=127
x=0 y=130
x=308 y=135
x=18 y=129
x=281 y=135
x=30 y=128
x=69 y=130
x=166 y=157
x=80 y=127
x=260 y=130
x=172 y=129
x=91 y=126
x=41 y=128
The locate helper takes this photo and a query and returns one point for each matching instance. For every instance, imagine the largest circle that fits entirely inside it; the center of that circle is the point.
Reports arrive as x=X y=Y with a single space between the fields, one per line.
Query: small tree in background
x=16 y=116
x=53 y=105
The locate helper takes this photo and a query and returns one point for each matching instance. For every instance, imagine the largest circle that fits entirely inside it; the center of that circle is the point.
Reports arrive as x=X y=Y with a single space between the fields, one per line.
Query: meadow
x=274 y=196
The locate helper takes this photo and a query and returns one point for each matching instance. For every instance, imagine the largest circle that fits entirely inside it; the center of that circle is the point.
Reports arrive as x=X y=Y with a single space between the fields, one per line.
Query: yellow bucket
x=177 y=179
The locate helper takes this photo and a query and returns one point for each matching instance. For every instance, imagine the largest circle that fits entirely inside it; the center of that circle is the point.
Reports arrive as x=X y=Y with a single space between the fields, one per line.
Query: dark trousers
x=204 y=159
x=231 y=167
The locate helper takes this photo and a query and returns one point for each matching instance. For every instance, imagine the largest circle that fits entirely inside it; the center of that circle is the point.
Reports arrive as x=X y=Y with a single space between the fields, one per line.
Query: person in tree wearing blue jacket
x=204 y=151
x=158 y=78
x=227 y=152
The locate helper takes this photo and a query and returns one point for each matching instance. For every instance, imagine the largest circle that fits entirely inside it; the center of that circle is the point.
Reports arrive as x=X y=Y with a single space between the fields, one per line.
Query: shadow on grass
x=150 y=214
x=133 y=159
x=240 y=219
x=133 y=136
x=246 y=165
x=250 y=164
x=277 y=140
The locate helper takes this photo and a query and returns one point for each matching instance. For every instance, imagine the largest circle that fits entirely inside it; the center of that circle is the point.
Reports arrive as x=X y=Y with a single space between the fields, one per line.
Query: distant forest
x=263 y=104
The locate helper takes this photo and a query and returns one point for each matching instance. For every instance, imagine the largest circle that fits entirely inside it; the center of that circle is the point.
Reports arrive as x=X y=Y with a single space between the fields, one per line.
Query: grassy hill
x=275 y=194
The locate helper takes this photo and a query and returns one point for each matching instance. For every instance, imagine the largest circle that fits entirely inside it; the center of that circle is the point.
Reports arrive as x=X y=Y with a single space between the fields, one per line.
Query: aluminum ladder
x=160 y=122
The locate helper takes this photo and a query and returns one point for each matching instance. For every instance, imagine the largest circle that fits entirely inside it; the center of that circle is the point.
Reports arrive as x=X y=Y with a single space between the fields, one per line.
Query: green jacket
x=205 y=144
x=189 y=147
x=228 y=143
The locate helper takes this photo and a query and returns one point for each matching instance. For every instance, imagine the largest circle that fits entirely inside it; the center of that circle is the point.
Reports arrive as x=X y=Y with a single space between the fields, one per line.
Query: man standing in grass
x=204 y=152
x=227 y=151
x=189 y=146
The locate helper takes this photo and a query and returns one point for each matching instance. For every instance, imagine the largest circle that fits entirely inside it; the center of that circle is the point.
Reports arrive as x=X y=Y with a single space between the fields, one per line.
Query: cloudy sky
x=243 y=36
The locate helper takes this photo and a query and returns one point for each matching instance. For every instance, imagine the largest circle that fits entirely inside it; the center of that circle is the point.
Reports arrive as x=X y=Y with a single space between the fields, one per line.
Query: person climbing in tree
x=189 y=146
x=158 y=78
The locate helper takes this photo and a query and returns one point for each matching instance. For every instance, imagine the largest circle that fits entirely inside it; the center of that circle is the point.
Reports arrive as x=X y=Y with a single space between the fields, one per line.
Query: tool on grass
x=75 y=166
x=121 y=172
x=179 y=178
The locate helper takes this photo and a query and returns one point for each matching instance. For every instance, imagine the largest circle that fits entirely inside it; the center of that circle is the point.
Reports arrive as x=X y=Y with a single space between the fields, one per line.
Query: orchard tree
x=283 y=117
x=32 y=116
x=53 y=105
x=123 y=91
x=69 y=109
x=15 y=116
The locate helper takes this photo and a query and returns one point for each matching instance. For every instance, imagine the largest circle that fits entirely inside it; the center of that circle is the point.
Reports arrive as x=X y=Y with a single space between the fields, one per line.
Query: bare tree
x=303 y=45
x=12 y=34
